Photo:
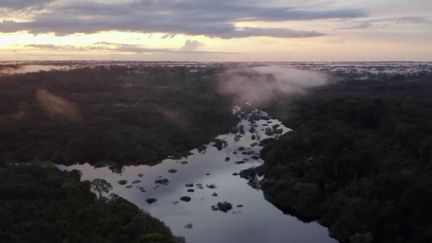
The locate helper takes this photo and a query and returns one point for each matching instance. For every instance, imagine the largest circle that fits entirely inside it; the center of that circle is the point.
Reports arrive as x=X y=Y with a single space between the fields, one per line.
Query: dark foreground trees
x=47 y=205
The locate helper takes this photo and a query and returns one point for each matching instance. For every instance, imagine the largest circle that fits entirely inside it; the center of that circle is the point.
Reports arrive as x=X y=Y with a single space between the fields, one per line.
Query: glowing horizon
x=203 y=30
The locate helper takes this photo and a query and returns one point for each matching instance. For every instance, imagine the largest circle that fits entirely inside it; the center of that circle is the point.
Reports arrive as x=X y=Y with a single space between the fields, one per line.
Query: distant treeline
x=359 y=160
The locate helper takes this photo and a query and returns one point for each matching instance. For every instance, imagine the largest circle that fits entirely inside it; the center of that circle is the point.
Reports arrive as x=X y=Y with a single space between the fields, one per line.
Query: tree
x=101 y=186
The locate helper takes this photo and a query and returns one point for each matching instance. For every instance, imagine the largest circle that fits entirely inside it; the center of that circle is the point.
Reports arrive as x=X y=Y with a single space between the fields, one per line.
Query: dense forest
x=110 y=114
x=358 y=160
x=46 y=205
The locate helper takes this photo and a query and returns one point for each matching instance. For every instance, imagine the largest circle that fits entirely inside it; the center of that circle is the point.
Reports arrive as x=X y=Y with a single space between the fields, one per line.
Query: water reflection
x=207 y=177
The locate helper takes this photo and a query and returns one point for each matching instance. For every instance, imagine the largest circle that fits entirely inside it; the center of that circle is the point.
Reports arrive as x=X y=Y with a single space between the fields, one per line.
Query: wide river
x=208 y=176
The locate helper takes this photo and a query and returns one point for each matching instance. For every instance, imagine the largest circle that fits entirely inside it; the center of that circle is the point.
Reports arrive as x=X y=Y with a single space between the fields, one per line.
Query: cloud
x=273 y=32
x=55 y=47
x=101 y=46
x=261 y=85
x=191 y=17
x=21 y=4
x=386 y=22
x=189 y=48
x=191 y=45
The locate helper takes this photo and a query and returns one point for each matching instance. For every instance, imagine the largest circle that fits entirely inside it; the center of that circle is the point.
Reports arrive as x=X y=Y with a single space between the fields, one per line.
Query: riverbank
x=46 y=205
x=358 y=160
x=201 y=195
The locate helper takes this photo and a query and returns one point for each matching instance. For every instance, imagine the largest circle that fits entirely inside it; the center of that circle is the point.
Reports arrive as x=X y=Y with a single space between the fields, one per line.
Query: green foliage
x=101 y=186
x=359 y=160
x=47 y=205
x=127 y=115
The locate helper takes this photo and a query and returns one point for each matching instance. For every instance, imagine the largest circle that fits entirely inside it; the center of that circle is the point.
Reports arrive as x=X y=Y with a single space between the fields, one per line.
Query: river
x=208 y=176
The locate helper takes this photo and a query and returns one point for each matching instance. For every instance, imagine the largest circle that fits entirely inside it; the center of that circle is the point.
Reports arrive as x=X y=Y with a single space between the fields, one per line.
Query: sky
x=216 y=30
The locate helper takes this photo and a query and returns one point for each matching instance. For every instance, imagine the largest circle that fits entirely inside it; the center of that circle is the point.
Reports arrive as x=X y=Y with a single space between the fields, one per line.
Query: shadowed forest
x=45 y=205
x=358 y=159
x=113 y=114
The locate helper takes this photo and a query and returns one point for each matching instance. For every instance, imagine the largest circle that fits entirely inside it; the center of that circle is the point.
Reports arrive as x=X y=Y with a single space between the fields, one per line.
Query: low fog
x=58 y=106
x=260 y=85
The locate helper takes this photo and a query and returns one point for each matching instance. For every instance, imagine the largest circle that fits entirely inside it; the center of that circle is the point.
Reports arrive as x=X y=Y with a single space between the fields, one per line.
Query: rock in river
x=172 y=171
x=136 y=181
x=222 y=206
x=162 y=181
x=151 y=200
x=212 y=186
x=122 y=182
x=185 y=199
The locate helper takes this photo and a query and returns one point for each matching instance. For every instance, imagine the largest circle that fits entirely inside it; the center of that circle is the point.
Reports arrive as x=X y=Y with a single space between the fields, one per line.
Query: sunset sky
x=216 y=30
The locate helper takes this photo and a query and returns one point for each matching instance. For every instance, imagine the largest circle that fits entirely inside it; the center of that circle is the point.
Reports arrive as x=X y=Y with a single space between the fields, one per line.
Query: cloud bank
x=192 y=17
x=189 y=47
x=22 y=4
x=386 y=22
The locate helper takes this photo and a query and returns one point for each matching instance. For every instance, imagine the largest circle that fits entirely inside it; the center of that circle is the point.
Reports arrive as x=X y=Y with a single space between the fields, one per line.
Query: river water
x=206 y=177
